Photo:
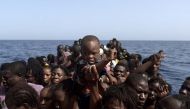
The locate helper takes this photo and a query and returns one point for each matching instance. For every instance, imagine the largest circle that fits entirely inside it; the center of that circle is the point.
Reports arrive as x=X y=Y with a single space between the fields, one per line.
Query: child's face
x=30 y=77
x=45 y=99
x=90 y=51
x=46 y=75
x=58 y=75
x=60 y=98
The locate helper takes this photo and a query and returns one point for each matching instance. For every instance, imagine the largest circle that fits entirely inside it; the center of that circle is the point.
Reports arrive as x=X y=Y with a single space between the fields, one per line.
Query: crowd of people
x=89 y=75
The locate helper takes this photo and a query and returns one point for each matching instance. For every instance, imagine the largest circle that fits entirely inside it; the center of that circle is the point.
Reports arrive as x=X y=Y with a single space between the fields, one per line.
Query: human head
x=43 y=60
x=60 y=50
x=90 y=46
x=76 y=49
x=116 y=97
x=121 y=72
x=185 y=88
x=51 y=59
x=174 y=102
x=63 y=93
x=47 y=75
x=34 y=71
x=15 y=73
x=137 y=86
x=67 y=48
x=59 y=73
x=158 y=88
x=46 y=98
x=22 y=96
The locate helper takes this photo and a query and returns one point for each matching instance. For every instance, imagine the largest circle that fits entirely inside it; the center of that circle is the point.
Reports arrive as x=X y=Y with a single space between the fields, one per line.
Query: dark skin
x=142 y=92
x=64 y=100
x=90 y=53
x=58 y=75
x=185 y=88
x=120 y=73
x=114 y=104
x=152 y=96
x=46 y=101
x=119 y=76
x=137 y=86
x=154 y=60
x=158 y=90
x=12 y=79
x=47 y=76
x=170 y=102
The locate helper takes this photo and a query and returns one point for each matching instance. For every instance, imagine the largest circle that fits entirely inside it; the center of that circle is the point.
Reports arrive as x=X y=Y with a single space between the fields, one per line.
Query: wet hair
x=119 y=93
x=22 y=94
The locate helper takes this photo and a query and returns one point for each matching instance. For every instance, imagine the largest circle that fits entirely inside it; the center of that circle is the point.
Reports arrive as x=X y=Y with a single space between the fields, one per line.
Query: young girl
x=59 y=73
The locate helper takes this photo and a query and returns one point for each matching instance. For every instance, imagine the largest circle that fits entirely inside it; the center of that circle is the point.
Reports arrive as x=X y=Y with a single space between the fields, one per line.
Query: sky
x=73 y=19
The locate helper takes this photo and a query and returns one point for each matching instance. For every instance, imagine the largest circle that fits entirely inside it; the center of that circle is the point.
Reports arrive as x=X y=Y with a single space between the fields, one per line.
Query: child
x=47 y=76
x=88 y=69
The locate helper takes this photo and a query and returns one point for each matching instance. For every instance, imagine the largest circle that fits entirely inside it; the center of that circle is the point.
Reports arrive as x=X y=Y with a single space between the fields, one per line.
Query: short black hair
x=21 y=94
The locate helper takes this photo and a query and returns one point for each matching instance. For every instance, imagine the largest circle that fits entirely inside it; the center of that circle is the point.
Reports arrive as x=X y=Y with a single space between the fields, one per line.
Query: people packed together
x=89 y=75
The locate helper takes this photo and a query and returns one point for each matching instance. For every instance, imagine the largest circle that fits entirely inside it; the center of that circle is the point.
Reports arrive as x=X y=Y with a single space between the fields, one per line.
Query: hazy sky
x=72 y=19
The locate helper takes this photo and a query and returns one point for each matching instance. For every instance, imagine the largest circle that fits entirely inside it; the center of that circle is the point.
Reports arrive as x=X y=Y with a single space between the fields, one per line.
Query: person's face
x=30 y=77
x=45 y=99
x=60 y=98
x=170 y=103
x=153 y=90
x=58 y=75
x=90 y=51
x=155 y=67
x=114 y=104
x=10 y=79
x=46 y=75
x=60 y=49
x=142 y=89
x=185 y=88
x=120 y=73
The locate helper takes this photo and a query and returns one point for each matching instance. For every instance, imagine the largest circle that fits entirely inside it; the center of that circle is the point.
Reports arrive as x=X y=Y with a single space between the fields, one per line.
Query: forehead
x=154 y=85
x=120 y=67
x=141 y=84
x=91 y=45
x=47 y=70
x=58 y=70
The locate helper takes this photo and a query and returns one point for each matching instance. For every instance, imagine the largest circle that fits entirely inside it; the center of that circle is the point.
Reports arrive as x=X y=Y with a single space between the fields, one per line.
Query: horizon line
x=77 y=39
